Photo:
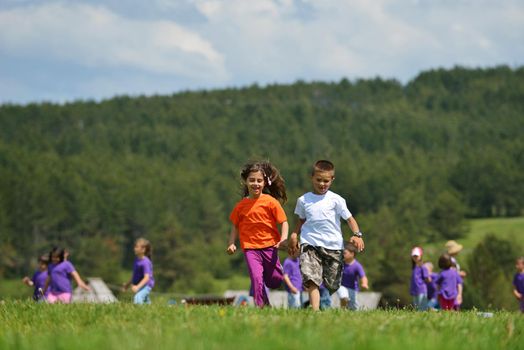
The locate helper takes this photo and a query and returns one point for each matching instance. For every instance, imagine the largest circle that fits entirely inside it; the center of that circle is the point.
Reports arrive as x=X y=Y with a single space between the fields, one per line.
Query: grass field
x=26 y=325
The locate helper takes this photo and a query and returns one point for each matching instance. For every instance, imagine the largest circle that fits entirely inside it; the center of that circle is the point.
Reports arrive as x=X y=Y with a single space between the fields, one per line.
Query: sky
x=61 y=51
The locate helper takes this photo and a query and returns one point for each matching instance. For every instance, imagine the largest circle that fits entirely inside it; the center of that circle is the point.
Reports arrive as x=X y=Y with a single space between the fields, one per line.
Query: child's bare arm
x=26 y=280
x=79 y=281
x=364 y=282
x=357 y=241
x=289 y=284
x=517 y=294
x=459 y=296
x=284 y=233
x=233 y=236
x=293 y=239
x=140 y=284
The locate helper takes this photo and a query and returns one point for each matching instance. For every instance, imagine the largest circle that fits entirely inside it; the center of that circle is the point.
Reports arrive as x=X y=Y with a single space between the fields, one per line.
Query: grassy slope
x=26 y=325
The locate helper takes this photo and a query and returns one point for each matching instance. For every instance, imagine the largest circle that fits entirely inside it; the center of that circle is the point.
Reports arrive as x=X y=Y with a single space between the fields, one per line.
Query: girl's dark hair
x=444 y=262
x=57 y=251
x=273 y=181
x=146 y=244
x=350 y=247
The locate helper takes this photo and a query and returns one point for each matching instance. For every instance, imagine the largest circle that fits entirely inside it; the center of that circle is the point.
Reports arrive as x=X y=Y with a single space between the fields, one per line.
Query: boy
x=352 y=273
x=518 y=282
x=293 y=281
x=321 y=241
x=39 y=278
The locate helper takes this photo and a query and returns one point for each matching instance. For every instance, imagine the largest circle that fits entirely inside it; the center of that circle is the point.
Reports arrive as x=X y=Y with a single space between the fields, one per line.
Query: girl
x=419 y=278
x=255 y=220
x=60 y=273
x=142 y=280
x=448 y=284
x=39 y=279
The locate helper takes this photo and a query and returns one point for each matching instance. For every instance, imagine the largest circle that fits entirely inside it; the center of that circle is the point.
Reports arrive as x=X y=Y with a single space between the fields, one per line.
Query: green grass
x=26 y=325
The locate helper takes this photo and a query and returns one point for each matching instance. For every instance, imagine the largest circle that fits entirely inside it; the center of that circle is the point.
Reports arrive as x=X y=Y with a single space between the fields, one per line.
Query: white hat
x=416 y=251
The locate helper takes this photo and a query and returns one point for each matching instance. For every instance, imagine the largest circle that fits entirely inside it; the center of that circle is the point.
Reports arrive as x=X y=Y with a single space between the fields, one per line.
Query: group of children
x=318 y=263
x=52 y=282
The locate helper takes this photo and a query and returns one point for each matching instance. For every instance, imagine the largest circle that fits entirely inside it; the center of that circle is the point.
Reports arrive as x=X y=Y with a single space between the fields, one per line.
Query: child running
x=448 y=284
x=39 y=278
x=293 y=281
x=518 y=282
x=142 y=280
x=60 y=274
x=255 y=220
x=352 y=273
x=321 y=241
x=419 y=278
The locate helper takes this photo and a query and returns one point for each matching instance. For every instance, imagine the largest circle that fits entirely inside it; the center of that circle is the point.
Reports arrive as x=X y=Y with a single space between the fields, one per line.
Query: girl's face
x=416 y=258
x=42 y=266
x=255 y=184
x=139 y=249
x=348 y=256
x=55 y=258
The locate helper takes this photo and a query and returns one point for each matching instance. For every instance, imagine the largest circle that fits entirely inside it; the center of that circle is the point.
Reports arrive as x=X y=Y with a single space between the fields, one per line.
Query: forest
x=412 y=160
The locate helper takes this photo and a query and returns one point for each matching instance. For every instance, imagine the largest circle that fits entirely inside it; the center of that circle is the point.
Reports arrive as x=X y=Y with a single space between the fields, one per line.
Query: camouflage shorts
x=319 y=264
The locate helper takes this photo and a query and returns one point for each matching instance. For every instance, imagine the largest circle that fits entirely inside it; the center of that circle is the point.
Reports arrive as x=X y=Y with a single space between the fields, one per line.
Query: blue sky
x=67 y=50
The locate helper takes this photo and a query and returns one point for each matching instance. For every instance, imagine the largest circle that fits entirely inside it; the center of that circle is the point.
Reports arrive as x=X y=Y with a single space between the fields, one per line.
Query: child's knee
x=310 y=285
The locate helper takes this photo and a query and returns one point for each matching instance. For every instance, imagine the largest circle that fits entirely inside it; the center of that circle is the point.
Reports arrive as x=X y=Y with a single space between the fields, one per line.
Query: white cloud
x=96 y=37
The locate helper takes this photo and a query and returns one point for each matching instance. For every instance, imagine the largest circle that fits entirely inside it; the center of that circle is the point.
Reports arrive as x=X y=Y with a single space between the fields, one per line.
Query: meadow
x=27 y=325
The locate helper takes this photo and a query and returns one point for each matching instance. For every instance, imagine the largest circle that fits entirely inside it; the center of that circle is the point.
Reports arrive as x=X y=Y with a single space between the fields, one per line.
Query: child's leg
x=343 y=295
x=142 y=296
x=273 y=271
x=52 y=298
x=311 y=269
x=255 y=267
x=353 y=304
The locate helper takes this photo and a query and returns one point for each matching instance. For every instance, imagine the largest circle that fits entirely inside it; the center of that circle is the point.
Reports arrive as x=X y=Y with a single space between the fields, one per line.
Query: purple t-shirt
x=140 y=268
x=419 y=274
x=432 y=286
x=351 y=274
x=292 y=269
x=61 y=277
x=39 y=279
x=448 y=281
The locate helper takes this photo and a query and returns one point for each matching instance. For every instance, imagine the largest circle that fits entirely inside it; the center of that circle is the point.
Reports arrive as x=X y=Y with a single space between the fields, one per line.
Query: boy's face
x=255 y=184
x=519 y=265
x=349 y=256
x=322 y=181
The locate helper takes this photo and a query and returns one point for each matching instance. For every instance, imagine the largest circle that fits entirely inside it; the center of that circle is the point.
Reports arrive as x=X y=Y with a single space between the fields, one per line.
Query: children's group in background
x=39 y=279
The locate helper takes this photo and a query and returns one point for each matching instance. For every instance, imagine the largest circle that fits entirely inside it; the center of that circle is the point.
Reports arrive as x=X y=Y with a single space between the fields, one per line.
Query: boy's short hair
x=351 y=248
x=444 y=262
x=322 y=165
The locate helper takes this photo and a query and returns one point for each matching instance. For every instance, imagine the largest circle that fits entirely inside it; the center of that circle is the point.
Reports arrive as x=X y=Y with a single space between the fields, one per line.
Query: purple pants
x=264 y=270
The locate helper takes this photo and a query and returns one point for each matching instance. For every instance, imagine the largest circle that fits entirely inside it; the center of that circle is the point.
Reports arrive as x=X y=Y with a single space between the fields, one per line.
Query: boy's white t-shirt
x=322 y=214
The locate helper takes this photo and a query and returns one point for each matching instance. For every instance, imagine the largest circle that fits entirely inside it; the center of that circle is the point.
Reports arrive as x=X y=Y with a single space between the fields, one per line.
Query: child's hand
x=357 y=242
x=134 y=288
x=292 y=246
x=293 y=290
x=280 y=243
x=27 y=281
x=231 y=249
x=518 y=295
x=459 y=299
x=86 y=287
x=365 y=286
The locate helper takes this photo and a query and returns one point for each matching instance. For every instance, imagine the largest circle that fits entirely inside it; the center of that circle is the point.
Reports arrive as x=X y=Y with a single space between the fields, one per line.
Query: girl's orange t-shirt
x=256 y=220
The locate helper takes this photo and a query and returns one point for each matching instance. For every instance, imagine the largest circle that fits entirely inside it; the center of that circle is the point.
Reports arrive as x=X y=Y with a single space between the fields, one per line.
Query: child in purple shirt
x=449 y=284
x=39 y=278
x=293 y=281
x=352 y=273
x=142 y=280
x=58 y=283
x=432 y=287
x=419 y=278
x=518 y=282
